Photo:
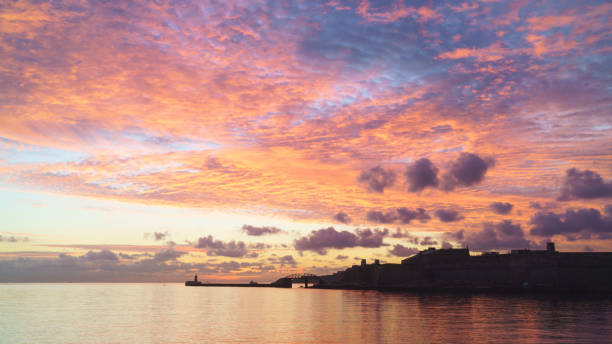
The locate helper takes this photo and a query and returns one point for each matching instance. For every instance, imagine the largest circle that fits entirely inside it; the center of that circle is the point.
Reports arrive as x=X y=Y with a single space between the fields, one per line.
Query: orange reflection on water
x=147 y=313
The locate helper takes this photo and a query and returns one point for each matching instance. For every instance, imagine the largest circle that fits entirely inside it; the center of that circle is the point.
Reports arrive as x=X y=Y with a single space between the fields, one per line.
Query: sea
x=173 y=313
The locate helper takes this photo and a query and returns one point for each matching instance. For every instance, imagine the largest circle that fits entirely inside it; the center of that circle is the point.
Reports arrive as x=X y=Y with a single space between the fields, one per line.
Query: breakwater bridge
x=298 y=278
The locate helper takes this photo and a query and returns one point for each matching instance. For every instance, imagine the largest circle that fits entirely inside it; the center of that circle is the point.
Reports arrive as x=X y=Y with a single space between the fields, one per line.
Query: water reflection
x=143 y=313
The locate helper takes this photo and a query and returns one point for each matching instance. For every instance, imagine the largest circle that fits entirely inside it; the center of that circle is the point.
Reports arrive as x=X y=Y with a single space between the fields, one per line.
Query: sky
x=247 y=140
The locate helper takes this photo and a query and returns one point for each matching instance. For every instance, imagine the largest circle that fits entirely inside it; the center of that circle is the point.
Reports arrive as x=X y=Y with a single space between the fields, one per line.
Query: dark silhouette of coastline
x=285 y=282
x=456 y=270
x=196 y=283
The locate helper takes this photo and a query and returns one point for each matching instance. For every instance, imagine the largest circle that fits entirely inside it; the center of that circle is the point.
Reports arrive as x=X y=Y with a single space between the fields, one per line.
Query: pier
x=284 y=282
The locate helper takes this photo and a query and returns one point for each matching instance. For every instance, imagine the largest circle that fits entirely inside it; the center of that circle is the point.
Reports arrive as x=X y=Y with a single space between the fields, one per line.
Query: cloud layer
x=448 y=215
x=400 y=250
x=377 y=178
x=501 y=208
x=236 y=249
x=380 y=112
x=573 y=224
x=584 y=185
x=421 y=174
x=342 y=217
x=321 y=240
x=259 y=231
x=504 y=235
x=401 y=215
x=467 y=170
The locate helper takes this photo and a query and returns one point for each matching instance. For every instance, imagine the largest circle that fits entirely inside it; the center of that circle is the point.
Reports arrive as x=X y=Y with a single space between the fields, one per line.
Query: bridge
x=297 y=278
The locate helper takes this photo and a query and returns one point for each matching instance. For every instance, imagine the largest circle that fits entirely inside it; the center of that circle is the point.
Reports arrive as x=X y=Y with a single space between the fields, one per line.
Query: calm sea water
x=172 y=313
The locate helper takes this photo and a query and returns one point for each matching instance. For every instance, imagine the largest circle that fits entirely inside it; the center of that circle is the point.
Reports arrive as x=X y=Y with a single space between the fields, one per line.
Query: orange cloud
x=397 y=11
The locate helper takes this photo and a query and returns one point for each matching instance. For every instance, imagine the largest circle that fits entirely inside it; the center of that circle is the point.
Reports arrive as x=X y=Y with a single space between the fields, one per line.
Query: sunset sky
x=246 y=140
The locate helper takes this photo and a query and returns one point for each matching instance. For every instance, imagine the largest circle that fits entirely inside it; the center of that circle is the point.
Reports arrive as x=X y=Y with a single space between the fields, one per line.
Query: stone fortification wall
x=537 y=271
